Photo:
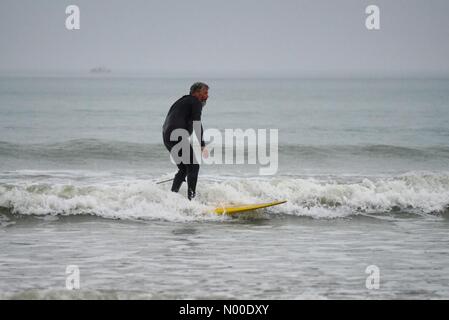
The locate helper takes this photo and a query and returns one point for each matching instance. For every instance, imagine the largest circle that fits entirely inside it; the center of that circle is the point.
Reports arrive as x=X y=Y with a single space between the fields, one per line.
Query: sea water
x=364 y=165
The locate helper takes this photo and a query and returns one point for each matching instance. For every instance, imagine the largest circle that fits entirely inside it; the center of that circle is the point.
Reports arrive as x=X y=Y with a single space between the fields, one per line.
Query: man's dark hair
x=197 y=86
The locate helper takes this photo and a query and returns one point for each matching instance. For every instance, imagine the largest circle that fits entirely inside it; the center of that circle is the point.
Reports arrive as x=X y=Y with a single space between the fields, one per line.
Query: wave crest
x=134 y=199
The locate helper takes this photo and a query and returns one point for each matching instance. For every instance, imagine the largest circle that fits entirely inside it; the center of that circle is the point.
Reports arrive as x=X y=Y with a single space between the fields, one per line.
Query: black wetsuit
x=181 y=116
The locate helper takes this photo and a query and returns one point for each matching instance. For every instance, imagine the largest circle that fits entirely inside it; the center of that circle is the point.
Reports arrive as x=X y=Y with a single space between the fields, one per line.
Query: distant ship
x=100 y=70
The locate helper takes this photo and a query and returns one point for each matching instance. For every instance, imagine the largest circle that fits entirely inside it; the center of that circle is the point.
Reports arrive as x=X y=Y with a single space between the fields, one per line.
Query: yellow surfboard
x=243 y=208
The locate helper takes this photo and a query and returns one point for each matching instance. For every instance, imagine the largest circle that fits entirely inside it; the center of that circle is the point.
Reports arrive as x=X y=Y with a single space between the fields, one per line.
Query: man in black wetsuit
x=181 y=116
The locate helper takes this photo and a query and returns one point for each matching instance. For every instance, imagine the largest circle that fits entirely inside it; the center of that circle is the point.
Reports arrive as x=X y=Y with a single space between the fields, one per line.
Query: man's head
x=201 y=91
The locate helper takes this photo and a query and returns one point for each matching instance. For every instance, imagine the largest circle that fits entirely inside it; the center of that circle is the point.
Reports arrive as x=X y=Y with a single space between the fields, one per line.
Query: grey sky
x=236 y=38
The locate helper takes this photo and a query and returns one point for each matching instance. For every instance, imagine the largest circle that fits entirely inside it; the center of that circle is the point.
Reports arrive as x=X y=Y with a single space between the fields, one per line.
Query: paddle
x=164 y=181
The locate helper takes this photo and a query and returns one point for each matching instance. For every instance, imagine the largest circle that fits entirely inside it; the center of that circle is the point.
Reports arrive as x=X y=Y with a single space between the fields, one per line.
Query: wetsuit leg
x=192 y=175
x=189 y=170
x=180 y=177
x=192 y=178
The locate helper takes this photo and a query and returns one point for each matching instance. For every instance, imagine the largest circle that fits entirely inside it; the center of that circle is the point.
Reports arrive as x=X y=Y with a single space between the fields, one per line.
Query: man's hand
x=205 y=152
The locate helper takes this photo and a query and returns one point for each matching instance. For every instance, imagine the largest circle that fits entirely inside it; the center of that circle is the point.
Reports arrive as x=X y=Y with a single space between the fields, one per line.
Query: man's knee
x=193 y=169
x=182 y=169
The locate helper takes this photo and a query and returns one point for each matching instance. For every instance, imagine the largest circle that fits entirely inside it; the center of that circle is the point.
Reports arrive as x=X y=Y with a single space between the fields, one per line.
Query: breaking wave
x=131 y=198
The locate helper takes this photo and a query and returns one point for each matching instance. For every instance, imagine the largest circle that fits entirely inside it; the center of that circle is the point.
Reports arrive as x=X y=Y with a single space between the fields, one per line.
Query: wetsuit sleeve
x=196 y=116
x=203 y=144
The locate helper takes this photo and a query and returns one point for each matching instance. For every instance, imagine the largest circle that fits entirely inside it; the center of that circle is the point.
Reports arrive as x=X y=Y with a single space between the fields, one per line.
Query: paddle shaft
x=164 y=181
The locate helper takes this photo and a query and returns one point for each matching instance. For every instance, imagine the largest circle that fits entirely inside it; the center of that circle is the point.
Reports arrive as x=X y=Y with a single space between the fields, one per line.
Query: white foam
x=135 y=201
x=138 y=199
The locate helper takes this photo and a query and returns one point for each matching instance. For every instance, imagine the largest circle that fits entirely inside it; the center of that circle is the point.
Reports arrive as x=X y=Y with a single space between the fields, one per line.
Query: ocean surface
x=364 y=165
